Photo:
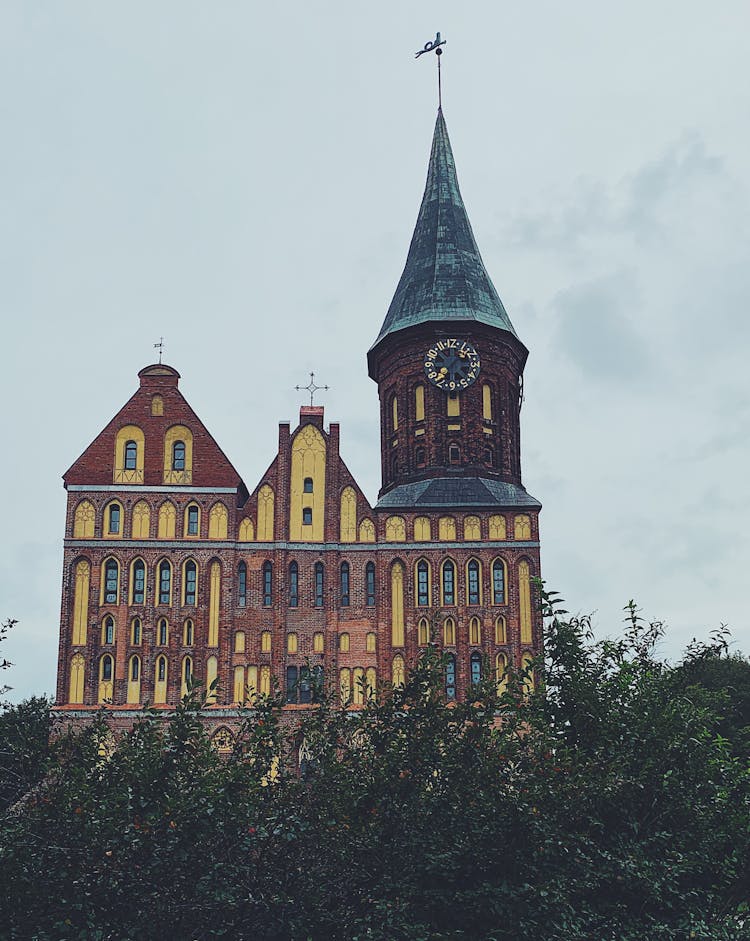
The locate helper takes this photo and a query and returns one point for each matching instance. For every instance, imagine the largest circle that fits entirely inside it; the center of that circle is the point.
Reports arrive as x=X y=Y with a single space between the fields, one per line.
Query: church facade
x=174 y=570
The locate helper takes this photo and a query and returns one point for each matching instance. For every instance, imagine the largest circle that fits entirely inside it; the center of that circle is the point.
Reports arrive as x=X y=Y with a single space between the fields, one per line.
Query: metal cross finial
x=311 y=387
x=434 y=46
x=160 y=347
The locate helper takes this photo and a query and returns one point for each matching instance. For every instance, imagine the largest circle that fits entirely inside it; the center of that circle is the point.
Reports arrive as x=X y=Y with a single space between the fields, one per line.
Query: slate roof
x=444 y=278
x=447 y=492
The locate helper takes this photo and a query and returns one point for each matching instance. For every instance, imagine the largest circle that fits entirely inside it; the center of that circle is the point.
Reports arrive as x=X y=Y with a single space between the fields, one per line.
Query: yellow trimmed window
x=239 y=642
x=497 y=527
x=141 y=520
x=344 y=642
x=106 y=678
x=191 y=526
x=77 y=678
x=472 y=529
x=522 y=527
x=113 y=520
x=83 y=521
x=395 y=529
x=81 y=602
x=501 y=634
x=447 y=529
x=367 y=531
x=318 y=642
x=265 y=514
x=422 y=532
x=247 y=532
x=475 y=631
x=160 y=679
x=371 y=642
x=129 y=454
x=291 y=643
x=449 y=632
x=348 y=524
x=167 y=521
x=218 y=519
x=398 y=673
x=423 y=632
x=178 y=455
x=265 y=642
x=186 y=674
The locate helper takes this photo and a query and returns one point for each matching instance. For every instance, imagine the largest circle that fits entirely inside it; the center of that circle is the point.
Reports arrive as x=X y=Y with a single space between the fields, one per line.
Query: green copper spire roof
x=444 y=279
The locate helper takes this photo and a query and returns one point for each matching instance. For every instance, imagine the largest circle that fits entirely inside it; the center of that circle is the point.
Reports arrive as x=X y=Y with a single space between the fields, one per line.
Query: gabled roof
x=444 y=278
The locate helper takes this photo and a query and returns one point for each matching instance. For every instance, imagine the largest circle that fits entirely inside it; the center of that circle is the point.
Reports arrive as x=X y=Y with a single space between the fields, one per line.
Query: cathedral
x=175 y=570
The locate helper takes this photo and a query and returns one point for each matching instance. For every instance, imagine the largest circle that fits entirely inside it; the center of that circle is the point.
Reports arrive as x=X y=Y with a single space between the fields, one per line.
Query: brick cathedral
x=174 y=569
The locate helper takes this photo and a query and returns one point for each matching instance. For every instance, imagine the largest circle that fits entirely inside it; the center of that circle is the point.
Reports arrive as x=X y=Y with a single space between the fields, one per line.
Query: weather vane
x=160 y=347
x=435 y=47
x=311 y=387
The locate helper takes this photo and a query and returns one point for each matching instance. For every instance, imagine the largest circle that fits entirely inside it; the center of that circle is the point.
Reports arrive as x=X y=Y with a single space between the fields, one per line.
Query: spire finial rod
x=312 y=388
x=435 y=47
x=160 y=347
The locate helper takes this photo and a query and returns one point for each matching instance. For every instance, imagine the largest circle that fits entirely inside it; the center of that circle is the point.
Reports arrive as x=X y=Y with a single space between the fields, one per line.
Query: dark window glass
x=318 y=584
x=489 y=456
x=131 y=455
x=307 y=516
x=114 y=518
x=476 y=668
x=370 y=583
x=454 y=454
x=161 y=669
x=473 y=582
x=165 y=582
x=192 y=521
x=139 y=583
x=345 y=584
x=419 y=457
x=305 y=685
x=188 y=669
x=450 y=677
x=307 y=487
x=111 y=582
x=189 y=633
x=267 y=584
x=498 y=582
x=293 y=585
x=107 y=668
x=163 y=632
x=109 y=631
x=449 y=581
x=135 y=669
x=291 y=684
x=136 y=632
x=423 y=584
x=178 y=456
x=242 y=585
x=190 y=582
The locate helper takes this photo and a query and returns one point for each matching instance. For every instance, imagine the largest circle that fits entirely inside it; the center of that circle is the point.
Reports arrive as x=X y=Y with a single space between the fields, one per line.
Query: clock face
x=451 y=365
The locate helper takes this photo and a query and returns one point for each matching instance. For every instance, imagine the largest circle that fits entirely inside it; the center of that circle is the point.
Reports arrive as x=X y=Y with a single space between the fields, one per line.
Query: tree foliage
x=607 y=804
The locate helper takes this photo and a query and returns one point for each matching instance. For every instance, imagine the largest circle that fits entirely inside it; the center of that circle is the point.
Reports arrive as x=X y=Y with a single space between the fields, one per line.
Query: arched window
x=165 y=582
x=475 y=631
x=178 y=456
x=358 y=686
x=187 y=675
x=111 y=582
x=307 y=485
x=188 y=634
x=190 y=582
x=498 y=582
x=292 y=688
x=265 y=642
x=136 y=632
x=242 y=585
x=292 y=643
x=160 y=680
x=447 y=529
x=370 y=584
x=267 y=584
x=395 y=529
x=449 y=632
x=108 y=630
x=371 y=642
x=239 y=642
x=367 y=531
x=500 y=630
x=449 y=583
x=84 y=520
x=397 y=671
x=450 y=677
x=114 y=519
x=423 y=632
x=454 y=454
x=476 y=668
x=138 y=582
x=307 y=516
x=106 y=675
x=77 y=679
x=472 y=528
x=423 y=583
x=473 y=582
x=192 y=520
x=497 y=527
x=135 y=669
x=218 y=521
x=318 y=641
x=162 y=632
x=167 y=521
x=107 y=667
x=131 y=455
x=319 y=584
x=422 y=529
x=522 y=527
x=394 y=413
x=344 y=642
x=293 y=585
x=344 y=584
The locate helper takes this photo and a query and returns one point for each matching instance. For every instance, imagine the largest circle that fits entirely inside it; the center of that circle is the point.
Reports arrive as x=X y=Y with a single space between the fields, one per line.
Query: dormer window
x=178 y=456
x=307 y=486
x=307 y=516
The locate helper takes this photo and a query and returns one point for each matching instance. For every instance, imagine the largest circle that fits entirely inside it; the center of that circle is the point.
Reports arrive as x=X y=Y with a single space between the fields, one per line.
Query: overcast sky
x=244 y=179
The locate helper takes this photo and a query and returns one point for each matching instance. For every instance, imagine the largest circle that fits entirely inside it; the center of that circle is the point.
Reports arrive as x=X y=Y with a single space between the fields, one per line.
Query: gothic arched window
x=139 y=582
x=191 y=582
x=293 y=585
x=178 y=456
x=423 y=583
x=472 y=578
x=319 y=584
x=131 y=455
x=370 y=583
x=242 y=584
x=476 y=668
x=344 y=584
x=267 y=584
x=449 y=583
x=165 y=582
x=498 y=582
x=450 y=677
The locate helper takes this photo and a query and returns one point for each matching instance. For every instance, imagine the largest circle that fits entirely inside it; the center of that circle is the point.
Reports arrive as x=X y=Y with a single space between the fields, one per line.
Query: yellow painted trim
x=418 y=432
x=141 y=520
x=106 y=687
x=497 y=528
x=487 y=403
x=398 y=673
x=318 y=642
x=449 y=632
x=395 y=529
x=292 y=642
x=214 y=601
x=157 y=405
x=371 y=642
x=77 y=679
x=475 y=631
x=167 y=520
x=423 y=632
x=185 y=533
x=488 y=431
x=358 y=692
x=416 y=583
x=371 y=678
x=446 y=529
x=524 y=601
x=252 y=684
x=344 y=642
x=106 y=534
x=453 y=405
x=186 y=672
x=134 y=686
x=501 y=630
x=159 y=623
x=212 y=672
x=84 y=520
x=265 y=642
x=218 y=519
x=348 y=526
x=367 y=531
x=522 y=527
x=472 y=529
x=183 y=579
x=134 y=475
x=419 y=403
x=178 y=433
x=394 y=412
x=454 y=427
x=160 y=686
x=308 y=460
x=246 y=533
x=81 y=602
x=265 y=681
x=188 y=633
x=422 y=529
x=239 y=642
x=397 y=604
x=265 y=514
x=528 y=683
x=238 y=694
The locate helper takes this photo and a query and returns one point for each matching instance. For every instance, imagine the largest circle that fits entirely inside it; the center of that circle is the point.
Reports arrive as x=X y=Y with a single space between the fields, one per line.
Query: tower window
x=419 y=457
x=307 y=516
x=454 y=454
x=161 y=669
x=307 y=486
x=242 y=584
x=344 y=584
x=191 y=576
x=188 y=633
x=489 y=457
x=135 y=669
x=135 y=632
x=267 y=584
x=370 y=583
x=318 y=584
x=305 y=686
x=131 y=455
x=178 y=456
x=394 y=466
x=107 y=668
x=162 y=633
x=293 y=585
